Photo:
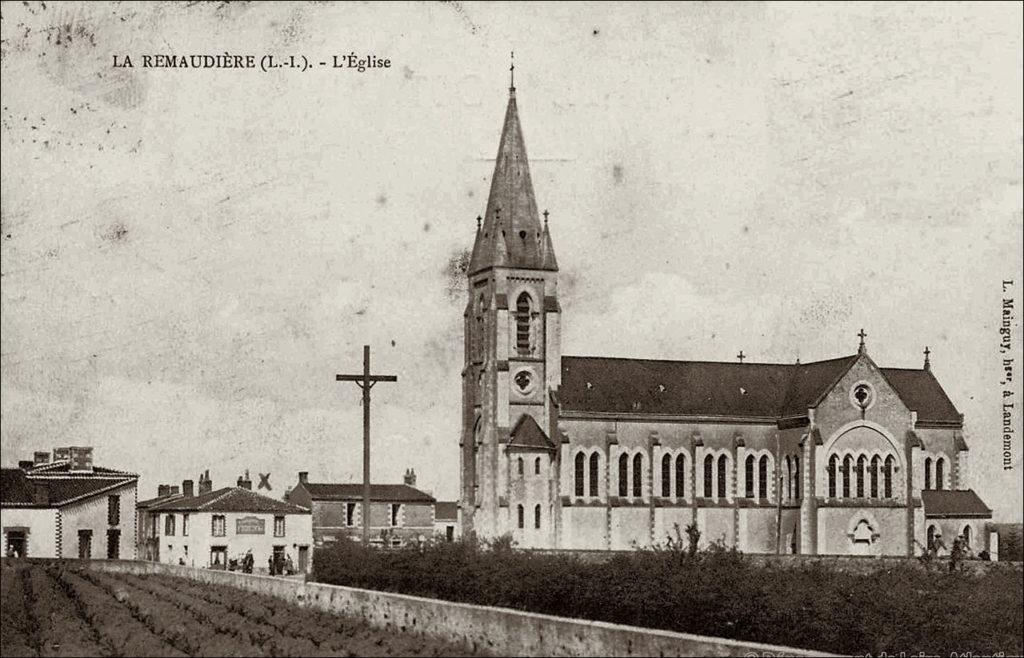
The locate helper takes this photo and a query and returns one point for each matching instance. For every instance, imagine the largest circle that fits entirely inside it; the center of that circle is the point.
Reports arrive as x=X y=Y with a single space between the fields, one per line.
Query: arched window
x=721 y=476
x=847 y=471
x=519 y=511
x=887 y=476
x=478 y=337
x=833 y=466
x=931 y=538
x=623 y=475
x=861 y=463
x=680 y=476
x=748 y=481
x=666 y=476
x=594 y=468
x=940 y=473
x=638 y=476
x=762 y=478
x=796 y=478
x=967 y=536
x=875 y=461
x=789 y=477
x=536 y=517
x=536 y=466
x=928 y=473
x=519 y=465
x=709 y=477
x=523 y=324
x=579 y=473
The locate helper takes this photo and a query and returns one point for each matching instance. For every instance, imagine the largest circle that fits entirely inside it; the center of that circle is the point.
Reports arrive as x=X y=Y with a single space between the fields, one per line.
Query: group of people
x=960 y=551
x=280 y=565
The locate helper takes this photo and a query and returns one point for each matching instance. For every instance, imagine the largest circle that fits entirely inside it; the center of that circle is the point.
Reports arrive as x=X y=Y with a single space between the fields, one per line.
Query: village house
x=446 y=520
x=67 y=507
x=211 y=527
x=399 y=513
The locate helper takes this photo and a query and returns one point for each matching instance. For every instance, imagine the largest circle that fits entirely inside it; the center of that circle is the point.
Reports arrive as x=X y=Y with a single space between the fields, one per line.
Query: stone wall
x=496 y=630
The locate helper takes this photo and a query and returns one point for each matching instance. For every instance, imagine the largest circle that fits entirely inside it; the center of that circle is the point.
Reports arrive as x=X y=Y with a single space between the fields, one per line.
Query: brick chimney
x=81 y=459
x=187 y=489
x=60 y=454
x=163 y=490
x=303 y=477
x=205 y=483
x=410 y=477
x=245 y=482
x=40 y=457
x=174 y=489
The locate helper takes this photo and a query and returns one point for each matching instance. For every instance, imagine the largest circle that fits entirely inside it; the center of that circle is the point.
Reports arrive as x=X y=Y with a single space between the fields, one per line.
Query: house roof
x=528 y=434
x=766 y=391
x=21 y=489
x=446 y=511
x=152 y=501
x=954 y=504
x=393 y=493
x=63 y=467
x=511 y=235
x=228 y=499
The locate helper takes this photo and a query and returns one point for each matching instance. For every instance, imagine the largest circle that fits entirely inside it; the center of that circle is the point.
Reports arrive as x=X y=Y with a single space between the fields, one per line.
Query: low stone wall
x=499 y=631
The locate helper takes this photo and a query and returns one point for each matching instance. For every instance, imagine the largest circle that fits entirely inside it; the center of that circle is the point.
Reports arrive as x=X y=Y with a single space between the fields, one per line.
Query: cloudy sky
x=190 y=256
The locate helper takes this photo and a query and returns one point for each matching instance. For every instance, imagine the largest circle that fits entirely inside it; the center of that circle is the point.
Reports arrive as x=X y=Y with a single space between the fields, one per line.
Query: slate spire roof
x=511 y=234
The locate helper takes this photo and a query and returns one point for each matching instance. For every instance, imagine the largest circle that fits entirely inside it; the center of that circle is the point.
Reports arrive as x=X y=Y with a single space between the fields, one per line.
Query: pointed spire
x=927 y=360
x=512 y=234
x=548 y=261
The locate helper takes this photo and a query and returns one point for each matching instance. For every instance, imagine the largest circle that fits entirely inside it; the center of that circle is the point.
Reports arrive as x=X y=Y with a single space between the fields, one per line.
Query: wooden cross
x=366 y=381
x=741 y=356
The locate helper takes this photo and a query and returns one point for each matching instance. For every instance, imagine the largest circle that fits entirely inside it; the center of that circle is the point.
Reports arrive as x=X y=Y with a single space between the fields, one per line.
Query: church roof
x=762 y=391
x=511 y=235
x=528 y=434
x=954 y=504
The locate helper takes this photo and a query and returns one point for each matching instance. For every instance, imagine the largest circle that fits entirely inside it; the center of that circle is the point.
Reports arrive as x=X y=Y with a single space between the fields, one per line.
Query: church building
x=833 y=457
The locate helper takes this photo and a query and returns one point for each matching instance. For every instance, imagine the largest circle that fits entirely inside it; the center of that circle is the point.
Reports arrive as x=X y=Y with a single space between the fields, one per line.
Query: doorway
x=84 y=544
x=218 y=557
x=17 y=542
x=303 y=559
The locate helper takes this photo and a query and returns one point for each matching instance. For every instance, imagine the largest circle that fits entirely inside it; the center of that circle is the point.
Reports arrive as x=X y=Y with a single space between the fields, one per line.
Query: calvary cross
x=366 y=381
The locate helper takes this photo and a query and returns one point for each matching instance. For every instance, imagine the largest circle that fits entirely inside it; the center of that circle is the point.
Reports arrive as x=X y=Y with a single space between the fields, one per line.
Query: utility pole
x=366 y=381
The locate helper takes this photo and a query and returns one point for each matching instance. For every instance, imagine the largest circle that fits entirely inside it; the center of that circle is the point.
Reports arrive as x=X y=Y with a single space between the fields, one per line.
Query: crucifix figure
x=741 y=356
x=366 y=381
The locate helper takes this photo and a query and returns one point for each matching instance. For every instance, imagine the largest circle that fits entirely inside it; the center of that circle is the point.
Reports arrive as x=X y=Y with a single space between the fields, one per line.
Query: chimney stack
x=187 y=489
x=174 y=489
x=163 y=490
x=205 y=483
x=40 y=457
x=245 y=482
x=303 y=477
x=60 y=454
x=81 y=459
x=410 y=477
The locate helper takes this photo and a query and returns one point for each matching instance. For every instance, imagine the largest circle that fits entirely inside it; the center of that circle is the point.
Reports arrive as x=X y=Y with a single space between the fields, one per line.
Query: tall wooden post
x=366 y=381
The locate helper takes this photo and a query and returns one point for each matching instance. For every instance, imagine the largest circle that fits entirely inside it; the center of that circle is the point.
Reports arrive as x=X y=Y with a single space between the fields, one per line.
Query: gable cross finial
x=927 y=360
x=861 y=348
x=545 y=217
x=512 y=74
x=478 y=220
x=741 y=356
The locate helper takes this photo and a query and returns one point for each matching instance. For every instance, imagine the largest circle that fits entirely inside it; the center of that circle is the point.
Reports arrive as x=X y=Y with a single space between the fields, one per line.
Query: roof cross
x=860 y=348
x=512 y=74
x=927 y=361
x=741 y=356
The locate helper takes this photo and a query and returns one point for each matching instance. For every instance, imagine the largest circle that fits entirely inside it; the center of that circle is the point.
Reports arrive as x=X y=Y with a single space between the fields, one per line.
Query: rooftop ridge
x=728 y=363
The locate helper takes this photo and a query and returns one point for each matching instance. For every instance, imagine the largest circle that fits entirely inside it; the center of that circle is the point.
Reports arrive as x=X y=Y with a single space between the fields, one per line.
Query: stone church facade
x=834 y=457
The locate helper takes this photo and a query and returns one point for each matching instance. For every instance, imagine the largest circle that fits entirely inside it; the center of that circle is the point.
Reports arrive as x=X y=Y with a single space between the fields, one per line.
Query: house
x=211 y=527
x=399 y=513
x=67 y=507
x=446 y=520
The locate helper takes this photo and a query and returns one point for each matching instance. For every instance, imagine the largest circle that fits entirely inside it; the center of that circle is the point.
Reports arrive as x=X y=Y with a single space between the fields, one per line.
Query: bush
x=717 y=592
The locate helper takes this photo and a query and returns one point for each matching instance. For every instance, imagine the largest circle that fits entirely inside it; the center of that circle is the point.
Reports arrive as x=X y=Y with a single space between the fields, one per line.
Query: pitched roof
x=159 y=499
x=63 y=467
x=954 y=504
x=729 y=389
x=528 y=434
x=922 y=393
x=228 y=499
x=392 y=493
x=446 y=511
x=21 y=489
x=511 y=235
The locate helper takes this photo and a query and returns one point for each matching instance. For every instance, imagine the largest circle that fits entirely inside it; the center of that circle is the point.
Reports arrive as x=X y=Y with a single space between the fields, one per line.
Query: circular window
x=524 y=381
x=862 y=395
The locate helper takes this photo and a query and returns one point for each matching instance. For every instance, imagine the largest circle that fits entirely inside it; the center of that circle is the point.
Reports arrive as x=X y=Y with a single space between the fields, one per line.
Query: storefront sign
x=250 y=525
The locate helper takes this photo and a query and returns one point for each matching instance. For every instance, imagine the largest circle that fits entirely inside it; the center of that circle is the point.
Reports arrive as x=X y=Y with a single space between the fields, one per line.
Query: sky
x=189 y=256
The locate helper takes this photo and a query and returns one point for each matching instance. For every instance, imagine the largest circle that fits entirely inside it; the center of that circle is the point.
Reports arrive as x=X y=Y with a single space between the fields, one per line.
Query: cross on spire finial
x=861 y=347
x=927 y=361
x=741 y=356
x=545 y=216
x=478 y=220
x=512 y=74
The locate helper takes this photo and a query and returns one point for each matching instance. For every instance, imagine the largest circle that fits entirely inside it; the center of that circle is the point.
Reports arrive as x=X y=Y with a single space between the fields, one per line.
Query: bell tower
x=509 y=470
